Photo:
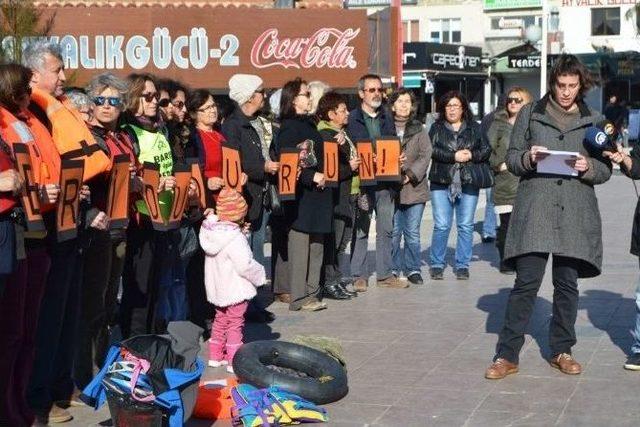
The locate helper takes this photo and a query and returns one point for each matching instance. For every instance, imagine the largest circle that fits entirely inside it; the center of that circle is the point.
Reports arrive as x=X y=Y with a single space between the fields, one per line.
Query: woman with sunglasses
x=176 y=119
x=459 y=169
x=21 y=301
x=148 y=251
x=504 y=192
x=309 y=217
x=104 y=256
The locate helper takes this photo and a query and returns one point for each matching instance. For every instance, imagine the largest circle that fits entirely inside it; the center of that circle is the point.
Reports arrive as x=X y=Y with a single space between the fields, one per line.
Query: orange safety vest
x=45 y=158
x=71 y=135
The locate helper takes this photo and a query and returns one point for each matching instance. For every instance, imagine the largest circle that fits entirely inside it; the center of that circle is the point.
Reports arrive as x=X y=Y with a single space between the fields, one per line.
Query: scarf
x=150 y=124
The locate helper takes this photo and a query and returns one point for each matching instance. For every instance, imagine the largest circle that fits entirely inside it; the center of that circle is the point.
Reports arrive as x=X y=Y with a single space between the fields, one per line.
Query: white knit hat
x=242 y=87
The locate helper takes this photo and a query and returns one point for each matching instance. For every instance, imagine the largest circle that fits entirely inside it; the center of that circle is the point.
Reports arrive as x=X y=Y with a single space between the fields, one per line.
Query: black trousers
x=57 y=329
x=147 y=250
x=501 y=235
x=529 y=273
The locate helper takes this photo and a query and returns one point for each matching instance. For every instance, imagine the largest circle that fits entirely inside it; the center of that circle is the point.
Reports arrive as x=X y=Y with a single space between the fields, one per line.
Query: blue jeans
x=406 y=222
x=635 y=347
x=489 y=224
x=443 y=209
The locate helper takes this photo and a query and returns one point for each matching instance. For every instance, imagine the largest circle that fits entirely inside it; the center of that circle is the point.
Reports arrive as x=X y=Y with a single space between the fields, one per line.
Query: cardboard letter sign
x=204 y=198
x=231 y=169
x=151 y=182
x=366 y=171
x=288 y=173
x=180 y=193
x=331 y=163
x=29 y=197
x=118 y=201
x=388 y=159
x=68 y=205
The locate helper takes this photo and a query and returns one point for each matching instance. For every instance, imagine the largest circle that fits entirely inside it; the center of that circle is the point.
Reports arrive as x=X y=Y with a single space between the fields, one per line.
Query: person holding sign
x=370 y=121
x=51 y=378
x=416 y=147
x=459 y=169
x=308 y=218
x=203 y=112
x=38 y=162
x=105 y=254
x=251 y=135
x=149 y=252
x=552 y=214
x=333 y=114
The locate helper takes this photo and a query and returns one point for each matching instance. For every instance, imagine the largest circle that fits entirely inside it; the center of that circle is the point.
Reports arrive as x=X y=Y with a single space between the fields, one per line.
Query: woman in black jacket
x=333 y=114
x=459 y=169
x=309 y=217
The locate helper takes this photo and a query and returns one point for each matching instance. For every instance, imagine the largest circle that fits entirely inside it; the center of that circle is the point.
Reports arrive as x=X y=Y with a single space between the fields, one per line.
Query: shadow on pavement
x=620 y=333
x=495 y=305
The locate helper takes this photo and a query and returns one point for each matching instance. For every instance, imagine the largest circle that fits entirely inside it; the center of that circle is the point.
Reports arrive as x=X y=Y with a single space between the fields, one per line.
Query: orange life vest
x=71 y=135
x=45 y=159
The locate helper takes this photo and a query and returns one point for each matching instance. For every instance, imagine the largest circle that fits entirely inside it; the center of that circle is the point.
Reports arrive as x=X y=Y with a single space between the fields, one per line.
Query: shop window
x=605 y=21
x=411 y=31
x=445 y=30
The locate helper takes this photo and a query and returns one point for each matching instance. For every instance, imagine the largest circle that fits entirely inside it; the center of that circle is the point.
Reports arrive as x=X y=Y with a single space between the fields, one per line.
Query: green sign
x=511 y=4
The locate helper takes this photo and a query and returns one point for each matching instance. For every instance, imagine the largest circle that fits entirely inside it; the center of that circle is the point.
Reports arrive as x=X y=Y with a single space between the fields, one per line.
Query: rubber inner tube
x=298 y=369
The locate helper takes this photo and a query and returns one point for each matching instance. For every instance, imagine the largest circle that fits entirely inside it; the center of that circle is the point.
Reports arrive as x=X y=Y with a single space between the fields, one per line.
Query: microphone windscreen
x=596 y=137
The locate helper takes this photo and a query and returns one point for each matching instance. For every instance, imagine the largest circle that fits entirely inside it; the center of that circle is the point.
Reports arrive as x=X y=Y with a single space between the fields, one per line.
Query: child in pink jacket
x=231 y=275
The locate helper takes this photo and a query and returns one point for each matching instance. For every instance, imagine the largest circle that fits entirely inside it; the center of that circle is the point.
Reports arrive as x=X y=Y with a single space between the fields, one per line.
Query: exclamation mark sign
x=384 y=161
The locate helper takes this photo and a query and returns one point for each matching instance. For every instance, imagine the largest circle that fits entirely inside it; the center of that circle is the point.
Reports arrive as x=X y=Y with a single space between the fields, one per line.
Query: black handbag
x=271 y=199
x=480 y=174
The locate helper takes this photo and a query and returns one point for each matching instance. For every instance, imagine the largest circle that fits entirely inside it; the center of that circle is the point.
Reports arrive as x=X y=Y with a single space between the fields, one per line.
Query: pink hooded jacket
x=231 y=275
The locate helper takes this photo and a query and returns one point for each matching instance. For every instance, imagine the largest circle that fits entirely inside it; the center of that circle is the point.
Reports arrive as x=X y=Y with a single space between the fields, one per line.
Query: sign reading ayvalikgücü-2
x=205 y=47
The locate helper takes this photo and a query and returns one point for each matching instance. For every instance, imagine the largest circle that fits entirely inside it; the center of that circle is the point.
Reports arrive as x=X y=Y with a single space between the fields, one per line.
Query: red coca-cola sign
x=326 y=48
x=205 y=47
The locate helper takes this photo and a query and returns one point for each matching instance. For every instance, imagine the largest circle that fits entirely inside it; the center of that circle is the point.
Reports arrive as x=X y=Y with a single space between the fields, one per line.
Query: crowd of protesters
x=59 y=299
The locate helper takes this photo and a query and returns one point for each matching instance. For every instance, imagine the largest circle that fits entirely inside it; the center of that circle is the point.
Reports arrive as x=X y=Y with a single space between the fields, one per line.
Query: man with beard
x=370 y=121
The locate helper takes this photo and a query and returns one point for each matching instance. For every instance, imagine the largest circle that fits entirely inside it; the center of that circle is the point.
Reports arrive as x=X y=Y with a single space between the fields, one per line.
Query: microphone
x=602 y=136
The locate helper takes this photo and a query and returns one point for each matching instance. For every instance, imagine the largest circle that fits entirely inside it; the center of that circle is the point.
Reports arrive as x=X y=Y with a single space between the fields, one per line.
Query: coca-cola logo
x=327 y=47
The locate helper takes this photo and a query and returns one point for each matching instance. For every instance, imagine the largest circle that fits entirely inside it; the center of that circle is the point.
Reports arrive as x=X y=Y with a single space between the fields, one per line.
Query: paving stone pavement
x=416 y=356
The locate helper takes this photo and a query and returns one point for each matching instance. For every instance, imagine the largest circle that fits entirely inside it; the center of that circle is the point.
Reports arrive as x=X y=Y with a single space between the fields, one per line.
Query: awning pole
x=543 y=50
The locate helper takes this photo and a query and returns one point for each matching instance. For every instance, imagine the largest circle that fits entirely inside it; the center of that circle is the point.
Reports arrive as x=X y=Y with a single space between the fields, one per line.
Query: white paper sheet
x=556 y=163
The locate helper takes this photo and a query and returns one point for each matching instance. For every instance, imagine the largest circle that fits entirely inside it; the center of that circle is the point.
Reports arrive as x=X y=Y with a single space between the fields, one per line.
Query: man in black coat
x=370 y=121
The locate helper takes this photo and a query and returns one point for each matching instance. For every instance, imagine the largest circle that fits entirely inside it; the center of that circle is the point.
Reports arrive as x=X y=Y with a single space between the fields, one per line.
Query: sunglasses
x=514 y=100
x=305 y=94
x=114 y=101
x=374 y=90
x=150 y=96
x=179 y=105
x=164 y=102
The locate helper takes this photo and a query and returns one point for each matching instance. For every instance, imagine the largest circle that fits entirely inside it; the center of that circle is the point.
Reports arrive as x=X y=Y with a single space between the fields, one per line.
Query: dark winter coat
x=553 y=213
x=634 y=173
x=312 y=211
x=240 y=135
x=446 y=142
x=499 y=135
x=417 y=147
x=357 y=129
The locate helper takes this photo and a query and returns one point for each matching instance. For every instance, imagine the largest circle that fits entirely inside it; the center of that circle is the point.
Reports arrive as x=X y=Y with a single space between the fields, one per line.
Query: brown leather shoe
x=566 y=363
x=285 y=298
x=360 y=285
x=392 y=282
x=500 y=369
